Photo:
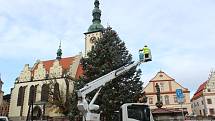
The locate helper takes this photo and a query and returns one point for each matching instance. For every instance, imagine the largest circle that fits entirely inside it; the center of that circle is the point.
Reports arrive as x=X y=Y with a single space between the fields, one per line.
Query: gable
x=161 y=76
x=167 y=84
x=46 y=69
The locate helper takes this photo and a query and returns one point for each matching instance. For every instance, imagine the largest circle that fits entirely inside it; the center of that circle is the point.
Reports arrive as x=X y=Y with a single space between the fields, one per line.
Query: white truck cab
x=135 y=112
x=3 y=118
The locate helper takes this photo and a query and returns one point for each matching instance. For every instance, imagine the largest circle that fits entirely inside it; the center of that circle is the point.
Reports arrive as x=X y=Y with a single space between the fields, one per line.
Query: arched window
x=20 y=98
x=56 y=92
x=45 y=92
x=166 y=99
x=32 y=94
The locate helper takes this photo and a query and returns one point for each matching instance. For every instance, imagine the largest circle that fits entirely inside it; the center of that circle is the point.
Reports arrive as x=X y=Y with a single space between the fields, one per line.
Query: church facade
x=30 y=94
x=33 y=85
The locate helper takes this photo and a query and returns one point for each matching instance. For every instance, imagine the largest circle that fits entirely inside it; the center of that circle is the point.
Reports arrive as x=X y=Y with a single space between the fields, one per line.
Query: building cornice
x=154 y=93
x=49 y=79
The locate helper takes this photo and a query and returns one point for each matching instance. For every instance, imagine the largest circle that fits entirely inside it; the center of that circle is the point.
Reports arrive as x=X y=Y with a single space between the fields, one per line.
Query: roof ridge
x=57 y=59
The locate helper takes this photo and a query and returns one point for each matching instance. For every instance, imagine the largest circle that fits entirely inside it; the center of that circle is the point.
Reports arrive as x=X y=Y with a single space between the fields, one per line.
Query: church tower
x=95 y=30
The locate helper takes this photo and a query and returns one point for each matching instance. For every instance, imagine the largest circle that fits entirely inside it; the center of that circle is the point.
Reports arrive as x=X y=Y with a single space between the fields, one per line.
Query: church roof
x=79 y=71
x=64 y=63
x=161 y=76
x=199 y=91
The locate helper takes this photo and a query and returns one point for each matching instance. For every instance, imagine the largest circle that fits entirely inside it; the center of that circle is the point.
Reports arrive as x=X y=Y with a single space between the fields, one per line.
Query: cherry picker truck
x=128 y=111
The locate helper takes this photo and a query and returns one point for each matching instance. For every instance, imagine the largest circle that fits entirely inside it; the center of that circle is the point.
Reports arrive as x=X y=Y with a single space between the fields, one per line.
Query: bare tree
x=59 y=99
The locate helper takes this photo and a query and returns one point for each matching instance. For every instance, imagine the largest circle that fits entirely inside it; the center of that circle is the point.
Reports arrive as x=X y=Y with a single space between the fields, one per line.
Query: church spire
x=59 y=52
x=96 y=26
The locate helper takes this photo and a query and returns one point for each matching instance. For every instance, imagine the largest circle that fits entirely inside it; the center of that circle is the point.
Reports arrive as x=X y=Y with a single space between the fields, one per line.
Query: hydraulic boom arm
x=83 y=105
x=89 y=87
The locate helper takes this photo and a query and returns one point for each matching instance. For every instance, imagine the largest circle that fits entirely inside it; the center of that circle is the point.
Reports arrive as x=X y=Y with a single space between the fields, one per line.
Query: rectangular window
x=209 y=90
x=161 y=98
x=211 y=110
x=184 y=99
x=204 y=112
x=175 y=99
x=202 y=102
x=166 y=97
x=150 y=100
x=209 y=101
x=162 y=87
x=200 y=112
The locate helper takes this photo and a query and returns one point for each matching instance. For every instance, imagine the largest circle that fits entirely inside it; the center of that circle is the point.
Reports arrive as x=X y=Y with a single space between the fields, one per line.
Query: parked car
x=3 y=118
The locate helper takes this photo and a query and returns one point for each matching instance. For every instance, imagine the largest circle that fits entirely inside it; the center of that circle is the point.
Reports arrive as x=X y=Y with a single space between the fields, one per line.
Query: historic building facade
x=4 y=107
x=4 y=103
x=32 y=85
x=203 y=101
x=168 y=87
x=1 y=92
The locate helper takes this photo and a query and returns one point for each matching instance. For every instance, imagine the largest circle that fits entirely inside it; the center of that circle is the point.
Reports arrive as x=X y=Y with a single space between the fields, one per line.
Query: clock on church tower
x=92 y=39
x=95 y=30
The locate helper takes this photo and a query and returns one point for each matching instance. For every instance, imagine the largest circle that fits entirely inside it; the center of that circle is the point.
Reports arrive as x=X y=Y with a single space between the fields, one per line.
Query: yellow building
x=168 y=87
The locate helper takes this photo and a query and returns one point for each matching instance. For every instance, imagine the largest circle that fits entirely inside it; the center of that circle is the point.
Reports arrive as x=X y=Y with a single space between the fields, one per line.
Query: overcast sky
x=180 y=33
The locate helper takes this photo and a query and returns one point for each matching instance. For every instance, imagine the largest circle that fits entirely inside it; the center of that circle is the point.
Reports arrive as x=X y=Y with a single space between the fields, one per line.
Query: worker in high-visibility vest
x=145 y=54
x=146 y=51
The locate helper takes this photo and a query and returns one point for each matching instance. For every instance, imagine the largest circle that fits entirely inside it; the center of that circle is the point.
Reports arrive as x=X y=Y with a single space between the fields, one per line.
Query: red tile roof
x=79 y=72
x=64 y=62
x=199 y=91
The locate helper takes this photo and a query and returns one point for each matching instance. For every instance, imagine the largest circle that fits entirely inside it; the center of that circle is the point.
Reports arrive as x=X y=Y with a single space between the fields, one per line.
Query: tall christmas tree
x=109 y=53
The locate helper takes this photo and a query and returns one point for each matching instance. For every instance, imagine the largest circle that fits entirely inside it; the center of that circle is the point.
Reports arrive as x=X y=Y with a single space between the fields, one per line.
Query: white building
x=203 y=101
x=168 y=87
